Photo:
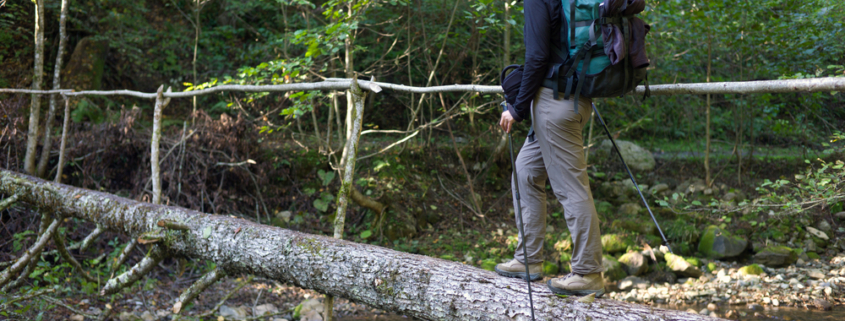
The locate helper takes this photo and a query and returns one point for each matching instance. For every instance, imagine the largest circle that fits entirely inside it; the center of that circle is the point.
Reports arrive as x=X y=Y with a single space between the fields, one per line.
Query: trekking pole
x=607 y=131
x=519 y=218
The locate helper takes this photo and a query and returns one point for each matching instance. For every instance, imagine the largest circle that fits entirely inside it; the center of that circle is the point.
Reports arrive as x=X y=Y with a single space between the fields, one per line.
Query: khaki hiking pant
x=557 y=154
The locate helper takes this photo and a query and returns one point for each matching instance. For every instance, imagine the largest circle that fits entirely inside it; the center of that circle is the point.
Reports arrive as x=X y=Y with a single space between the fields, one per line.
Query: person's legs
x=532 y=188
x=558 y=128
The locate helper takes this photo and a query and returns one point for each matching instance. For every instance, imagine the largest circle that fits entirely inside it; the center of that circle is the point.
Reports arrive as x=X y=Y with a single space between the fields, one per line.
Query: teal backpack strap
x=572 y=21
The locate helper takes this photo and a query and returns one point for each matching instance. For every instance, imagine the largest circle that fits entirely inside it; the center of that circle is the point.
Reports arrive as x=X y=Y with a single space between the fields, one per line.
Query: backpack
x=583 y=46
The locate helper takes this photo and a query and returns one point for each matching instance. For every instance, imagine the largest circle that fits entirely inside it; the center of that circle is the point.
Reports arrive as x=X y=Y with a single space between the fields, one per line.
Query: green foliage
x=87 y=111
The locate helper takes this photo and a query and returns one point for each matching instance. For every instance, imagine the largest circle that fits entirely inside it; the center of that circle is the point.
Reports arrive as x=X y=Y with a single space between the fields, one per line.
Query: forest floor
x=429 y=214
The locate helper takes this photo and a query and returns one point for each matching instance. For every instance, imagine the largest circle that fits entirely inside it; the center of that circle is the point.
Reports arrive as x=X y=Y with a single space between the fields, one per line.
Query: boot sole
x=519 y=275
x=599 y=293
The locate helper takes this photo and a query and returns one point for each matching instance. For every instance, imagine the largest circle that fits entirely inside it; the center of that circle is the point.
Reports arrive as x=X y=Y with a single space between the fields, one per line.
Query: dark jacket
x=542 y=31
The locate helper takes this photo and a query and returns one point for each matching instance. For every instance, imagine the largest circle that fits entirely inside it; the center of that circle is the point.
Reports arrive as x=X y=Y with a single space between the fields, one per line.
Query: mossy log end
x=414 y=285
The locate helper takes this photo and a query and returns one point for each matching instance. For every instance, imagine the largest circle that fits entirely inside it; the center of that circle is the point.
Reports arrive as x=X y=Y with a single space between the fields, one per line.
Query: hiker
x=554 y=151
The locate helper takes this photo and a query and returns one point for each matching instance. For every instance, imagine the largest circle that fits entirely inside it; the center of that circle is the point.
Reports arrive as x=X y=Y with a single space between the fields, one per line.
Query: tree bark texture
x=417 y=286
x=35 y=109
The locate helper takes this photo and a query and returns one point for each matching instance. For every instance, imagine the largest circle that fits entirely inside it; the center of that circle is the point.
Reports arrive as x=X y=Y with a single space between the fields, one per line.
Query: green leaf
x=366 y=234
x=206 y=233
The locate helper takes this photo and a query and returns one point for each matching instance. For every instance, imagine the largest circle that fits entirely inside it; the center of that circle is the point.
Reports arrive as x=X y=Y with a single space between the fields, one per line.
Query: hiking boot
x=514 y=269
x=574 y=284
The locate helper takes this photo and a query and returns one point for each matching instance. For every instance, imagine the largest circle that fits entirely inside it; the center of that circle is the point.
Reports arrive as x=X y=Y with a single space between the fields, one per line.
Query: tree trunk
x=45 y=152
x=414 y=285
x=35 y=109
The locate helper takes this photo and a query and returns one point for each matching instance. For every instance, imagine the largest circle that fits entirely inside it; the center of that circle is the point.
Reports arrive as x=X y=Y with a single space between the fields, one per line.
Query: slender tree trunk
x=45 y=153
x=197 y=31
x=35 y=109
x=707 y=124
x=414 y=285
x=65 y=125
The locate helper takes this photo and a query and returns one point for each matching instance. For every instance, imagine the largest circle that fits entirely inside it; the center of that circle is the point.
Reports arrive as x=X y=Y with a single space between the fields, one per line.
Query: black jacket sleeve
x=538 y=25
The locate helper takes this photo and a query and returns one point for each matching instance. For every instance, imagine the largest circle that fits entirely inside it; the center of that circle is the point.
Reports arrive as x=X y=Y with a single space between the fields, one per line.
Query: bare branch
x=33 y=251
x=195 y=289
x=135 y=273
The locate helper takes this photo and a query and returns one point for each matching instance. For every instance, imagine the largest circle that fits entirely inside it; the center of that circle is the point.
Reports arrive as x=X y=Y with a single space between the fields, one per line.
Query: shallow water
x=773 y=313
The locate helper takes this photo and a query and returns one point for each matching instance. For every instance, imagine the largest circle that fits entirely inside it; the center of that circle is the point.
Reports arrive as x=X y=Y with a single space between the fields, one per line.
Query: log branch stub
x=172 y=225
x=135 y=273
x=8 y=201
x=413 y=285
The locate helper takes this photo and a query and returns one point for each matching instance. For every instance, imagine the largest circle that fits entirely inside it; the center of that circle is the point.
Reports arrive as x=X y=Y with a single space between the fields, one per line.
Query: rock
x=822 y=304
x=824 y=226
x=635 y=225
x=809 y=246
x=637 y=157
x=712 y=306
x=629 y=209
x=84 y=70
x=613 y=243
x=718 y=243
x=681 y=267
x=659 y=188
x=752 y=269
x=147 y=316
x=704 y=311
x=815 y=274
x=754 y=307
x=817 y=233
x=611 y=190
x=776 y=256
x=127 y=316
x=227 y=312
x=267 y=308
x=632 y=282
x=812 y=256
x=311 y=310
x=76 y=317
x=660 y=277
x=840 y=216
x=613 y=270
x=634 y=263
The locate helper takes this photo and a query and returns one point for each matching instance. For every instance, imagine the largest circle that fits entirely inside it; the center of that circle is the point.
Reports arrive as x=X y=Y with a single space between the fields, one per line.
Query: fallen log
x=413 y=285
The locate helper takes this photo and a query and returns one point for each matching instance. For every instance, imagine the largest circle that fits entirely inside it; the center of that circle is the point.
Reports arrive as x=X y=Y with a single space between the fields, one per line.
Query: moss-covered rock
x=84 y=70
x=718 y=243
x=550 y=268
x=813 y=255
x=694 y=261
x=614 y=243
x=752 y=269
x=776 y=256
x=711 y=267
x=681 y=267
x=613 y=270
x=636 y=225
x=634 y=263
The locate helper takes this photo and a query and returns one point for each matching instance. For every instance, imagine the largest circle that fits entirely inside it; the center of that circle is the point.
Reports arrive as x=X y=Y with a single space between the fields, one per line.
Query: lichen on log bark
x=414 y=285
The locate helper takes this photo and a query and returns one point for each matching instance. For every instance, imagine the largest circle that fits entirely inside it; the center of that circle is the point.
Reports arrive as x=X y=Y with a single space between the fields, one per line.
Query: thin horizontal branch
x=828 y=84
x=30 y=91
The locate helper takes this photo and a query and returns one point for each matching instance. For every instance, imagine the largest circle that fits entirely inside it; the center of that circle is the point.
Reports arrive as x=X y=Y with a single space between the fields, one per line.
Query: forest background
x=280 y=150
